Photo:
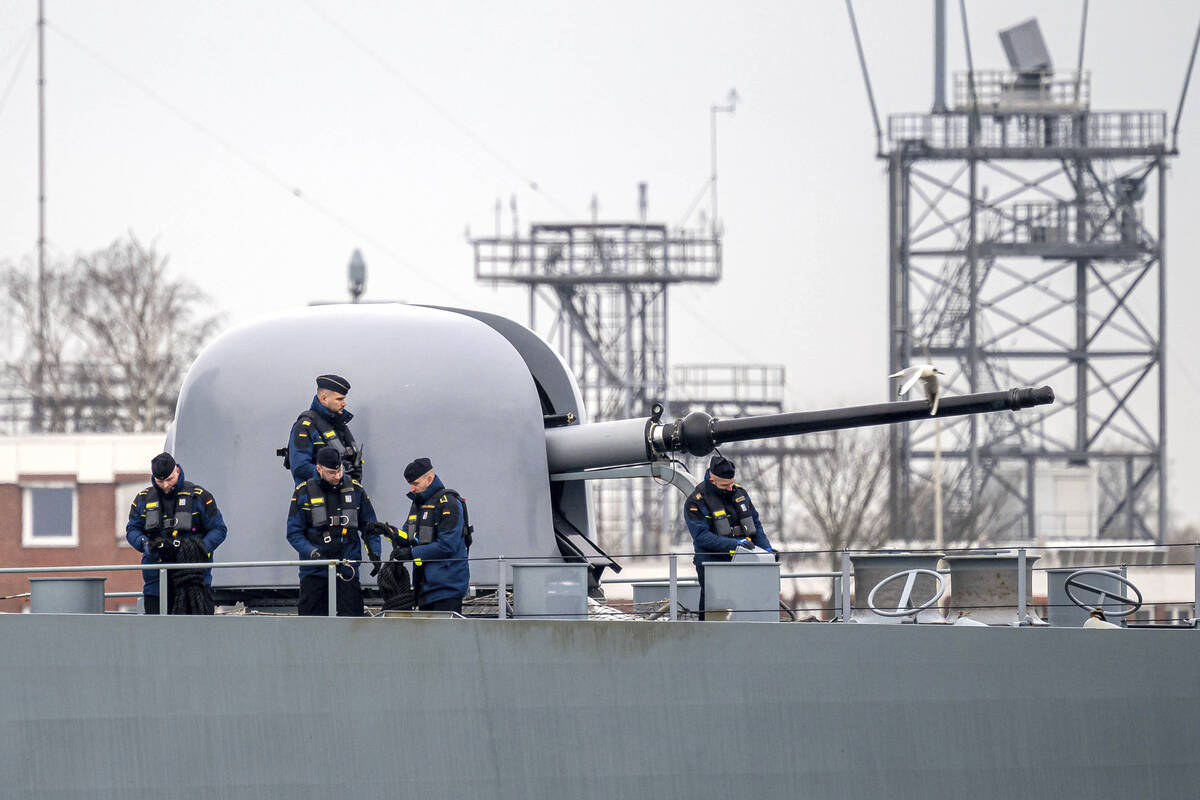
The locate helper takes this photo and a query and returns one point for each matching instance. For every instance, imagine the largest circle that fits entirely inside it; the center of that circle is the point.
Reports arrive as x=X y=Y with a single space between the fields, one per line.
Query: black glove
x=314 y=555
x=401 y=554
x=375 y=565
x=389 y=532
x=377 y=529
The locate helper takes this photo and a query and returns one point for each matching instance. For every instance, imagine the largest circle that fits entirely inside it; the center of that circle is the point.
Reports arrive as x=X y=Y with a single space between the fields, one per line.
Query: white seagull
x=927 y=375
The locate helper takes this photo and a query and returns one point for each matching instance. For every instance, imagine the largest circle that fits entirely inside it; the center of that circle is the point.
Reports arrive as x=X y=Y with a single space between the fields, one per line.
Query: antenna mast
x=41 y=242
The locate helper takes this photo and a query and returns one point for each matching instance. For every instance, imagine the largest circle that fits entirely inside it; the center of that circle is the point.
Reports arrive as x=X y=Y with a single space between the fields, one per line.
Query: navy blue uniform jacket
x=440 y=568
x=211 y=526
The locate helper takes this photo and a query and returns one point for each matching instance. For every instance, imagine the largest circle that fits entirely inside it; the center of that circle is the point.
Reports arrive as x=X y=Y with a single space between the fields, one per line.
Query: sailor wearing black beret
x=435 y=537
x=331 y=518
x=175 y=520
x=721 y=518
x=323 y=425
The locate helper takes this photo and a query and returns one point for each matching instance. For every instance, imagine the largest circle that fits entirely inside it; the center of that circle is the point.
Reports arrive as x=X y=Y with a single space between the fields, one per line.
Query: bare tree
x=121 y=331
x=843 y=491
x=41 y=368
x=147 y=324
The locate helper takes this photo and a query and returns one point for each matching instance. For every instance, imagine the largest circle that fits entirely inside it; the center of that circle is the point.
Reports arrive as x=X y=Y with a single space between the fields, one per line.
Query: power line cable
x=258 y=166
x=862 y=61
x=433 y=104
x=1183 y=94
x=12 y=81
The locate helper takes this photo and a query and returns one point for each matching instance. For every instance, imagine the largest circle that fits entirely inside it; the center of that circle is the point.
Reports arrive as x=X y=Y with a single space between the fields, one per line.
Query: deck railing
x=1074 y=556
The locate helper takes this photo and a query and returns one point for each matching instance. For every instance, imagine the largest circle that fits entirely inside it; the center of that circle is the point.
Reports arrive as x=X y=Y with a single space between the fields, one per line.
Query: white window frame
x=27 y=537
x=120 y=500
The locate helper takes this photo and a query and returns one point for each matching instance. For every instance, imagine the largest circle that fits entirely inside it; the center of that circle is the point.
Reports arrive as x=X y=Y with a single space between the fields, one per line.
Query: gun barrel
x=638 y=441
x=790 y=424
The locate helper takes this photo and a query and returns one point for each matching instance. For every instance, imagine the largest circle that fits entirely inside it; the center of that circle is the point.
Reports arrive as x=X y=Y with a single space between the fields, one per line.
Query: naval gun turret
x=494 y=407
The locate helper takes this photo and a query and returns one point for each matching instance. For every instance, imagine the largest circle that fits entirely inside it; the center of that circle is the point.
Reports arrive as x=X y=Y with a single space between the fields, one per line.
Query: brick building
x=64 y=501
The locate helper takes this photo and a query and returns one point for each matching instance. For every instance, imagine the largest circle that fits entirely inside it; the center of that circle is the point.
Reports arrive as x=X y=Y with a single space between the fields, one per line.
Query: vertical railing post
x=501 y=589
x=163 y=600
x=673 y=585
x=845 y=586
x=331 y=605
x=1196 y=590
x=1021 y=613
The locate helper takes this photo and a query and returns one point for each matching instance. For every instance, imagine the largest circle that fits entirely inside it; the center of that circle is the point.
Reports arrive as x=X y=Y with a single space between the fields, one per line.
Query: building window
x=49 y=515
x=125 y=493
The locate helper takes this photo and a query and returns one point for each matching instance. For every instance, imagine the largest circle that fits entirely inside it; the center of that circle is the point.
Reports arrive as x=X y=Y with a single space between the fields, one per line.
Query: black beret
x=162 y=465
x=328 y=457
x=334 y=383
x=721 y=466
x=417 y=468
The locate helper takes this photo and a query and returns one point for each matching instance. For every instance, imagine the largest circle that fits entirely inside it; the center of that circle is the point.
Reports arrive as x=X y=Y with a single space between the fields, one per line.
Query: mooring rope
x=188 y=593
x=395 y=586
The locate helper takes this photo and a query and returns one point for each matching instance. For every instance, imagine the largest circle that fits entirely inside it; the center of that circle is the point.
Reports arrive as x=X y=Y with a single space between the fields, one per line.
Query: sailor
x=174 y=520
x=324 y=424
x=721 y=518
x=434 y=539
x=328 y=519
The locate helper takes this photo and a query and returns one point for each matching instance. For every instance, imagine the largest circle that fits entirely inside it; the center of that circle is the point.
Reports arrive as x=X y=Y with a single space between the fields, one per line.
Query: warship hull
x=118 y=706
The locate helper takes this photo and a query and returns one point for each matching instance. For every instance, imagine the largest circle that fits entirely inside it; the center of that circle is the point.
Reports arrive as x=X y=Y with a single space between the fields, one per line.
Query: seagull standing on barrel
x=927 y=374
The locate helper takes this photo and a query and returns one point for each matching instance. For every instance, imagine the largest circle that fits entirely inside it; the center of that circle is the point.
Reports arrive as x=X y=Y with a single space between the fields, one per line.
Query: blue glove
x=746 y=543
x=770 y=549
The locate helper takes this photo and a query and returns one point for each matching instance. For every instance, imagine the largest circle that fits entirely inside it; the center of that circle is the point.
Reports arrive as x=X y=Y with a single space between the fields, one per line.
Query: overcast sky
x=258 y=143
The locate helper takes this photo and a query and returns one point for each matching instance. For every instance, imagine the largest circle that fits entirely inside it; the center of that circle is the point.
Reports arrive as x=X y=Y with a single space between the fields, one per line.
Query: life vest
x=722 y=524
x=422 y=522
x=332 y=513
x=423 y=518
x=170 y=516
x=327 y=435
